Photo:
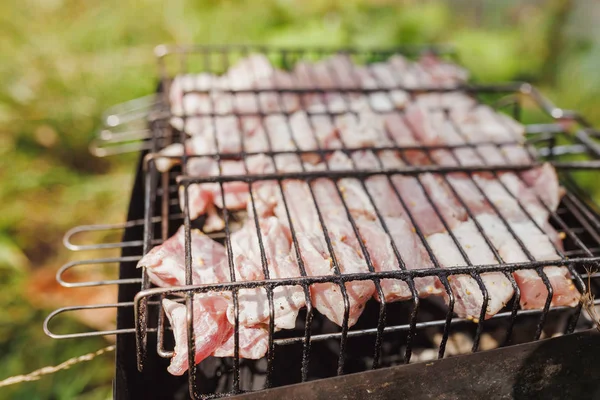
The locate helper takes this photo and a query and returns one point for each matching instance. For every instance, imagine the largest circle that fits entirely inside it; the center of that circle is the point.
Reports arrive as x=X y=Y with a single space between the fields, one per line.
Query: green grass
x=65 y=61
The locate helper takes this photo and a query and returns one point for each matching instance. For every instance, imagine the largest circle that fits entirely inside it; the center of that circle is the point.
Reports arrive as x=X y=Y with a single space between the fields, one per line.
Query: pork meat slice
x=366 y=129
x=376 y=240
x=468 y=295
x=253 y=303
x=444 y=73
x=538 y=242
x=210 y=326
x=404 y=73
x=379 y=101
x=511 y=202
x=533 y=290
x=427 y=125
x=253 y=342
x=385 y=79
x=202 y=195
x=312 y=132
x=326 y=297
x=403 y=136
x=544 y=182
x=165 y=263
x=483 y=124
x=413 y=195
x=373 y=235
x=236 y=194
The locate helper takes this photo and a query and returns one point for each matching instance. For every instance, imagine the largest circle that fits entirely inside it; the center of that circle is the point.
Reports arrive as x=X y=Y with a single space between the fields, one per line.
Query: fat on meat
x=468 y=295
x=483 y=124
x=281 y=263
x=235 y=194
x=411 y=191
x=209 y=323
x=533 y=290
x=366 y=129
x=253 y=343
x=444 y=73
x=378 y=242
x=511 y=196
x=165 y=263
x=326 y=297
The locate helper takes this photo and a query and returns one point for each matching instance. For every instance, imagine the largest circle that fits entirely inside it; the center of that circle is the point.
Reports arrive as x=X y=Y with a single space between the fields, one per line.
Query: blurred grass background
x=65 y=61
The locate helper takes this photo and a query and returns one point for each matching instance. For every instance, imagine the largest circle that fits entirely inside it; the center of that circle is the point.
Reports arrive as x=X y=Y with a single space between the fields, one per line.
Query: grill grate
x=563 y=138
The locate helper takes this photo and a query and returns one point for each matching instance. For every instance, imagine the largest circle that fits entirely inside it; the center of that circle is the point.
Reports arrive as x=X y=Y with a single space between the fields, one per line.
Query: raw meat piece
x=403 y=136
x=202 y=195
x=469 y=193
x=165 y=263
x=325 y=132
x=385 y=79
x=544 y=182
x=376 y=240
x=193 y=102
x=428 y=127
x=403 y=73
x=399 y=132
x=256 y=72
x=326 y=297
x=253 y=303
x=255 y=137
x=483 y=124
x=229 y=136
x=382 y=257
x=210 y=325
x=446 y=101
x=442 y=196
x=421 y=208
x=254 y=342
x=417 y=203
x=365 y=130
x=509 y=204
x=468 y=295
x=379 y=101
x=165 y=164
x=533 y=290
x=400 y=229
x=445 y=74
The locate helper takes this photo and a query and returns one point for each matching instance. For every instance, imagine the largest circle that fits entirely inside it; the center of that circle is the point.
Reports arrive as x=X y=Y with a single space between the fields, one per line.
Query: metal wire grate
x=561 y=137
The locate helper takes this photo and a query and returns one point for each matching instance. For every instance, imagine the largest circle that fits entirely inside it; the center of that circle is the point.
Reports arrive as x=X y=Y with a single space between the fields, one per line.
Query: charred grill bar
x=564 y=138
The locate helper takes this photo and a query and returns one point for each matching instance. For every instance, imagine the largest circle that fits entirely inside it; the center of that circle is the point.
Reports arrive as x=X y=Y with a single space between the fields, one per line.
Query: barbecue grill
x=408 y=332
